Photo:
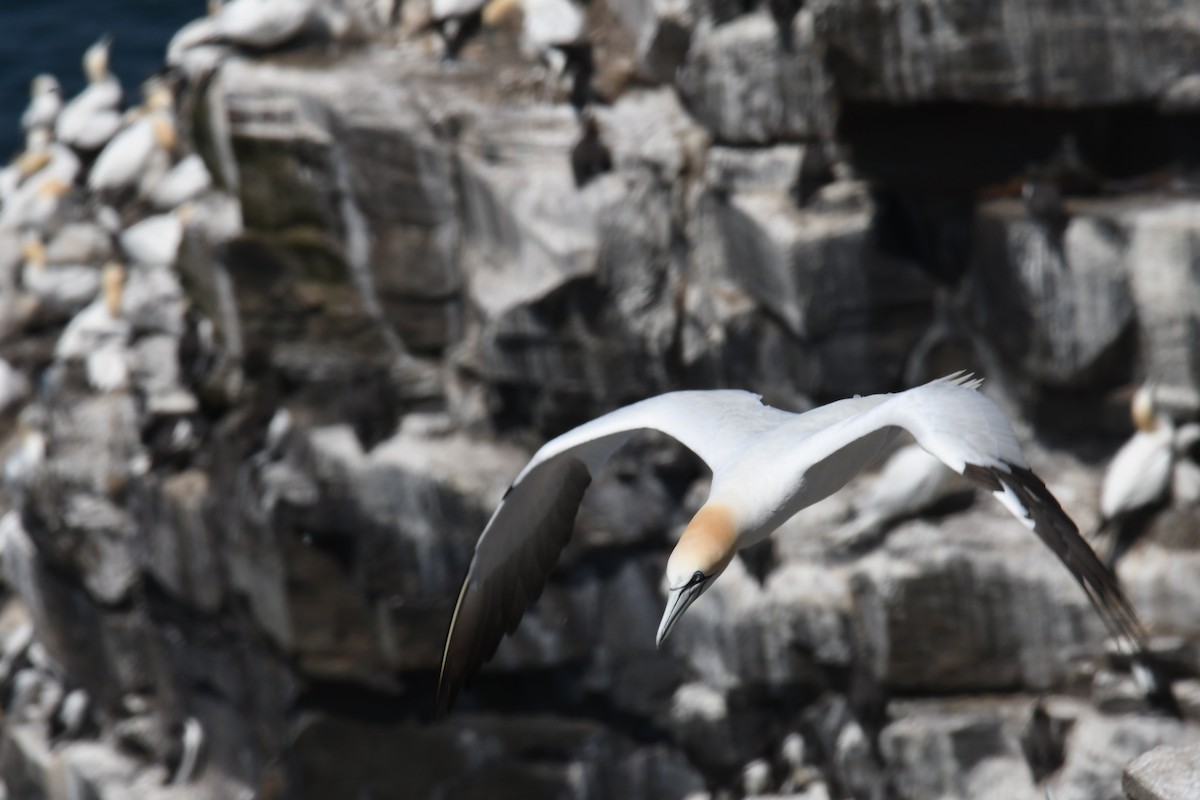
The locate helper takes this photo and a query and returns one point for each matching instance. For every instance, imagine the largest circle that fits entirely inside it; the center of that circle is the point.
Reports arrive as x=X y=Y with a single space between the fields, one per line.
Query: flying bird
x=766 y=464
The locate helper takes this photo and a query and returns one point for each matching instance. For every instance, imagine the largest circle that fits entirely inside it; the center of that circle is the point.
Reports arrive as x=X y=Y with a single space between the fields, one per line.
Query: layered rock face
x=410 y=271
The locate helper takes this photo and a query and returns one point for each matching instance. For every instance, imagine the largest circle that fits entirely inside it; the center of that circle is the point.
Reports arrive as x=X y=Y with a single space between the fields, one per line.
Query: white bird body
x=90 y=131
x=262 y=23
x=1139 y=474
x=14 y=387
x=45 y=103
x=767 y=464
x=184 y=181
x=66 y=287
x=258 y=24
x=194 y=34
x=79 y=243
x=154 y=241
x=447 y=9
x=90 y=329
x=912 y=480
x=36 y=155
x=108 y=367
x=125 y=158
x=25 y=461
x=37 y=199
x=553 y=23
x=93 y=115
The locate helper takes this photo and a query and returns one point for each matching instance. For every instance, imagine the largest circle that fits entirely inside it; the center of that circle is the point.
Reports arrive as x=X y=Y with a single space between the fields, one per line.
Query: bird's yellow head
x=1143 y=409
x=95 y=60
x=503 y=13
x=703 y=552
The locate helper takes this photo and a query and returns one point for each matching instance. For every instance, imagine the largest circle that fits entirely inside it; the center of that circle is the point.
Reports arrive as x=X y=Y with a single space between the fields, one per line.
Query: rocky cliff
x=242 y=493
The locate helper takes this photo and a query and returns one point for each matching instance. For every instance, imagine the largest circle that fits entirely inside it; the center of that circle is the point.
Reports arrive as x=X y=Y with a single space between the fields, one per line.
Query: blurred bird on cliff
x=64 y=287
x=553 y=30
x=44 y=179
x=45 y=103
x=24 y=462
x=252 y=24
x=93 y=115
x=98 y=336
x=767 y=464
x=911 y=481
x=154 y=241
x=185 y=181
x=126 y=159
x=191 y=743
x=14 y=386
x=1137 y=482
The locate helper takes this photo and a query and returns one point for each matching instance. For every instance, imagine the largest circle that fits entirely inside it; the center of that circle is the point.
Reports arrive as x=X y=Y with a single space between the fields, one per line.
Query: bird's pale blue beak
x=678 y=601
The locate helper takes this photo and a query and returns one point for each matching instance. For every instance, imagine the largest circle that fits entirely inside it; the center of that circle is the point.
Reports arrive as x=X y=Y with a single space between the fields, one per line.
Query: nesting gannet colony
x=281 y=322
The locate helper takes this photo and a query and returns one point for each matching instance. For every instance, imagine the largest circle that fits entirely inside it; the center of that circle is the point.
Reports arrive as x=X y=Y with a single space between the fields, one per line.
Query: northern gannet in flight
x=767 y=464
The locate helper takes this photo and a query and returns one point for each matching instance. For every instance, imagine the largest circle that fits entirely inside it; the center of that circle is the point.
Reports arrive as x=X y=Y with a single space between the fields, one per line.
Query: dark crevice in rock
x=944 y=148
x=353 y=700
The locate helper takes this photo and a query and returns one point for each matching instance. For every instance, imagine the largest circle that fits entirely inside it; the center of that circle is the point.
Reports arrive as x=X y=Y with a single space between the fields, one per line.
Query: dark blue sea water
x=51 y=35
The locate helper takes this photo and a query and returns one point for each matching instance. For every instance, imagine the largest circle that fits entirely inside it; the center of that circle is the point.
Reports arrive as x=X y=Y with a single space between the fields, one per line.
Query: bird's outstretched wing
x=971 y=435
x=527 y=532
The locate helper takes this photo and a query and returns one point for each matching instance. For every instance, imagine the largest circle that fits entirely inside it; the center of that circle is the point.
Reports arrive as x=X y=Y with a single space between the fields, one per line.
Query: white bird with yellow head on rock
x=766 y=464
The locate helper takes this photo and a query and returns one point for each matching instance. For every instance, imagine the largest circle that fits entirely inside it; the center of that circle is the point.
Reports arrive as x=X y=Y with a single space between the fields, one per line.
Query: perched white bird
x=66 y=287
x=45 y=103
x=911 y=481
x=90 y=329
x=93 y=115
x=107 y=367
x=24 y=462
x=447 y=9
x=256 y=24
x=1138 y=478
x=185 y=181
x=767 y=464
x=74 y=711
x=545 y=24
x=29 y=161
x=14 y=387
x=553 y=23
x=37 y=199
x=79 y=243
x=125 y=159
x=192 y=741
x=100 y=340
x=154 y=241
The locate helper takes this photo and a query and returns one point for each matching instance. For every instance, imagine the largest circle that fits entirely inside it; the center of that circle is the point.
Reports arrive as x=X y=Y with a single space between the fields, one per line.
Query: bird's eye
x=697 y=576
